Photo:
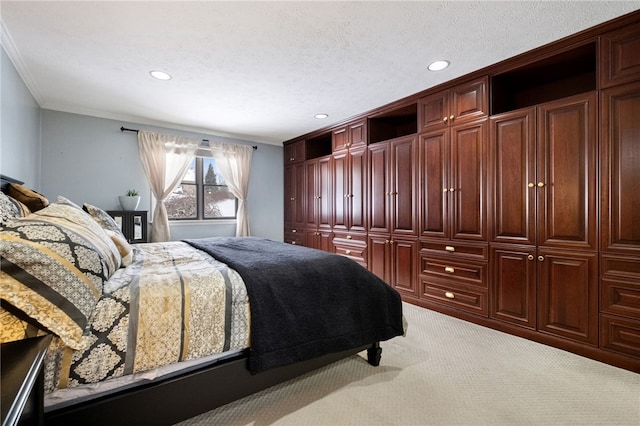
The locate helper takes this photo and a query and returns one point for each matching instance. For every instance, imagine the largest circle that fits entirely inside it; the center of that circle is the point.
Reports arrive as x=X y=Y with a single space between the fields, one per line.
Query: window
x=202 y=194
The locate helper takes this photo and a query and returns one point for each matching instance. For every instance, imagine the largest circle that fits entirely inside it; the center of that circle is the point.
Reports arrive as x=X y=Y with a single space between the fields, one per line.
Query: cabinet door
x=434 y=111
x=358 y=189
x=299 y=202
x=620 y=62
x=403 y=184
x=568 y=294
x=325 y=192
x=512 y=177
x=620 y=169
x=404 y=260
x=311 y=193
x=566 y=189
x=341 y=190
x=379 y=188
x=434 y=166
x=379 y=262
x=468 y=180
x=468 y=102
x=513 y=285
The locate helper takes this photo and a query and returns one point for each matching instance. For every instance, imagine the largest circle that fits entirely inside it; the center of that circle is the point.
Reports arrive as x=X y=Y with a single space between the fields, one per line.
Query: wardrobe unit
x=507 y=197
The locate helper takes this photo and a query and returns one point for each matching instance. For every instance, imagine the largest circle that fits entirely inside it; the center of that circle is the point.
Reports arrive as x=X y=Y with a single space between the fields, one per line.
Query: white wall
x=19 y=127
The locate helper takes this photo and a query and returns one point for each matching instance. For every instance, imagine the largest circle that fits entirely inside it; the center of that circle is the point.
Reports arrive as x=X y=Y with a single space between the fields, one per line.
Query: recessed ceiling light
x=160 y=75
x=321 y=115
x=438 y=65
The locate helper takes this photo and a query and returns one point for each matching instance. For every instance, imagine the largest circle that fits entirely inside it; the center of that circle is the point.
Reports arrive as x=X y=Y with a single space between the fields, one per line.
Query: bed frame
x=171 y=400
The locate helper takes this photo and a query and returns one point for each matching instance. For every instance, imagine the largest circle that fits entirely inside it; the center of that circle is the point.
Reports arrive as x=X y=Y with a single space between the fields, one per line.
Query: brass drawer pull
x=449 y=295
x=347 y=251
x=349 y=237
x=449 y=269
x=450 y=248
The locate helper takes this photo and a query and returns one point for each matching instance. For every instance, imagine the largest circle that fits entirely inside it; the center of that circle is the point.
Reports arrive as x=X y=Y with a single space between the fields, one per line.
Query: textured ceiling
x=261 y=70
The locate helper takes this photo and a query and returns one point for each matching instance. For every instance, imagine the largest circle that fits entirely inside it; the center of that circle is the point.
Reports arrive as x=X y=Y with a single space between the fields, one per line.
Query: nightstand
x=133 y=224
x=22 y=381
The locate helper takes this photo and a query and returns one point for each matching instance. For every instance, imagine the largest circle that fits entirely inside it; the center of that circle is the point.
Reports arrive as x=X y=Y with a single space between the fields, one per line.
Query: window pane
x=182 y=203
x=190 y=175
x=218 y=202
x=211 y=175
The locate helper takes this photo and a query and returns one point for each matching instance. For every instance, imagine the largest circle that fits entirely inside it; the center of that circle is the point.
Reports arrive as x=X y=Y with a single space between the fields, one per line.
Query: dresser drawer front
x=459 y=297
x=354 y=252
x=454 y=270
x=620 y=297
x=620 y=266
x=454 y=249
x=620 y=335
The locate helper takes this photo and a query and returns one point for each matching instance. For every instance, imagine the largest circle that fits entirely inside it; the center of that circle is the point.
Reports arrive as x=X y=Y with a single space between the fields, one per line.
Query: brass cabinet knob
x=445 y=190
x=531 y=185
x=530 y=257
x=293 y=198
x=349 y=237
x=451 y=117
x=293 y=242
x=445 y=119
x=449 y=269
x=540 y=258
x=294 y=231
x=450 y=248
x=452 y=189
x=449 y=295
x=540 y=184
x=347 y=251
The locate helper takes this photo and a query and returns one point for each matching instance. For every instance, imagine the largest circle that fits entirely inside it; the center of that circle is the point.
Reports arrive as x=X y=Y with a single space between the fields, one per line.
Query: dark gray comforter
x=306 y=302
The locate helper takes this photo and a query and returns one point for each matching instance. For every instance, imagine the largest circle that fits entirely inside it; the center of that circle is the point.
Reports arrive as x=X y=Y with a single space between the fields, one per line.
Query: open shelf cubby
x=318 y=146
x=393 y=124
x=568 y=73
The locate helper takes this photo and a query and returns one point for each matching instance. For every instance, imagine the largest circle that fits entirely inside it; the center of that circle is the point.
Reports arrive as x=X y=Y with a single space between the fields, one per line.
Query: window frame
x=200 y=193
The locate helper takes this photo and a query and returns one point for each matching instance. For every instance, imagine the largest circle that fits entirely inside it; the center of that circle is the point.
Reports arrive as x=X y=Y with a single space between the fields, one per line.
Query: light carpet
x=447 y=372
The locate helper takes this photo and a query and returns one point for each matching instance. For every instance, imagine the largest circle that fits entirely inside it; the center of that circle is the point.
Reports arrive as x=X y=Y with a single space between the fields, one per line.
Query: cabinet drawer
x=357 y=253
x=620 y=266
x=349 y=238
x=294 y=238
x=620 y=297
x=454 y=248
x=460 y=297
x=620 y=335
x=455 y=270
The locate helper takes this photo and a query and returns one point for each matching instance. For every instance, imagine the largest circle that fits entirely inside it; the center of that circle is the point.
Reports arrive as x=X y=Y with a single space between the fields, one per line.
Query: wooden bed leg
x=374 y=353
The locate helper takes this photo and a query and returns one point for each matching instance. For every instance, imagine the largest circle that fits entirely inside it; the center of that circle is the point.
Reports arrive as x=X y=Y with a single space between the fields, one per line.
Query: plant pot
x=129 y=203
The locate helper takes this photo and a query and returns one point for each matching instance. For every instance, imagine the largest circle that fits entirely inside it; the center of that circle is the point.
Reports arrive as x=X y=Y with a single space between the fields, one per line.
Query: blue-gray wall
x=19 y=127
x=88 y=159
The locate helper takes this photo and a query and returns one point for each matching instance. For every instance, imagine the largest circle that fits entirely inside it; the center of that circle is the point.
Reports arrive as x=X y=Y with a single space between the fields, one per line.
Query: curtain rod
x=124 y=129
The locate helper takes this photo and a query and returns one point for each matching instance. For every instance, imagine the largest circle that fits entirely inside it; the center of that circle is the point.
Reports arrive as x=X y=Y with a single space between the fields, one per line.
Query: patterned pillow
x=51 y=274
x=8 y=208
x=103 y=218
x=68 y=214
x=125 y=249
x=32 y=199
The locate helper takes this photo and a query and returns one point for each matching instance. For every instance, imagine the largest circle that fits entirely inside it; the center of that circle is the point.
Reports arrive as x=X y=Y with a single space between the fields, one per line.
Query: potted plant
x=129 y=201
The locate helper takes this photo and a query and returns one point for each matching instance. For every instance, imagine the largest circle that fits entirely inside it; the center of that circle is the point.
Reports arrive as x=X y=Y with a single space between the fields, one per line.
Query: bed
x=159 y=332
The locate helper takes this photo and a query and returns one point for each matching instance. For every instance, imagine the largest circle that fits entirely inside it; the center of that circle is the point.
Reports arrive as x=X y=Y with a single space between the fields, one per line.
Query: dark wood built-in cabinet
x=132 y=223
x=507 y=197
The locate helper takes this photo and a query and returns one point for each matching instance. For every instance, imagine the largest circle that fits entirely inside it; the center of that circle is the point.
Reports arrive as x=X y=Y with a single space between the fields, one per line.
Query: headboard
x=6 y=180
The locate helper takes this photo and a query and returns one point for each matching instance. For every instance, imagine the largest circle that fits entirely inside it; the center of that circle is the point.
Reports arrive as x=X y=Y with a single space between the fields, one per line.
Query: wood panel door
x=379 y=256
x=620 y=169
x=294 y=183
x=357 y=200
x=434 y=184
x=341 y=190
x=319 y=193
x=568 y=294
x=404 y=264
x=403 y=179
x=513 y=285
x=468 y=177
x=566 y=187
x=512 y=177
x=379 y=186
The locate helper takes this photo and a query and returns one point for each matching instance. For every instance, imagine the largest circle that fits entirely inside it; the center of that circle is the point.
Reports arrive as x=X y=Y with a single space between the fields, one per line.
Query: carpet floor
x=447 y=372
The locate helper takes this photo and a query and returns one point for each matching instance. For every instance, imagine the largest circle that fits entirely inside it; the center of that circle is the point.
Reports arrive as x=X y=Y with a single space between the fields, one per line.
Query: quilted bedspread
x=173 y=303
x=306 y=302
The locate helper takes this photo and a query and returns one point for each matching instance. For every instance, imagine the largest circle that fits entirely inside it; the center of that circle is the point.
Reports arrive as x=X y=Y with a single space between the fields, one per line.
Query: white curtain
x=165 y=160
x=234 y=163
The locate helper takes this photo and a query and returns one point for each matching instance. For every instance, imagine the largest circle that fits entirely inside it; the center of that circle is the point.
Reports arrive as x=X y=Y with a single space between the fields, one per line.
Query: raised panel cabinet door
x=566 y=188
x=311 y=193
x=513 y=285
x=340 y=139
x=300 y=212
x=434 y=184
x=379 y=188
x=325 y=193
x=403 y=184
x=469 y=101
x=434 y=111
x=379 y=262
x=289 y=194
x=512 y=171
x=568 y=294
x=467 y=190
x=357 y=200
x=620 y=61
x=341 y=190
x=357 y=134
x=620 y=169
x=404 y=265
